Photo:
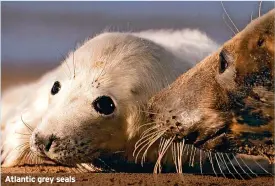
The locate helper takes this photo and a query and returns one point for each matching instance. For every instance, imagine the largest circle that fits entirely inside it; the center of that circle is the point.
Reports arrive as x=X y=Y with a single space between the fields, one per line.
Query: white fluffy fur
x=192 y=45
x=140 y=74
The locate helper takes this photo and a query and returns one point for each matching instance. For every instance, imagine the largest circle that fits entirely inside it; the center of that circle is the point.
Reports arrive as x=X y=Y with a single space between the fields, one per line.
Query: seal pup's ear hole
x=224 y=61
x=55 y=88
x=104 y=105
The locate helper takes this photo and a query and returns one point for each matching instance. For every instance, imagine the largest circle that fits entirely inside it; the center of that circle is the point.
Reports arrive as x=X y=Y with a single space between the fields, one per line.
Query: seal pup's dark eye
x=104 y=105
x=224 y=61
x=56 y=87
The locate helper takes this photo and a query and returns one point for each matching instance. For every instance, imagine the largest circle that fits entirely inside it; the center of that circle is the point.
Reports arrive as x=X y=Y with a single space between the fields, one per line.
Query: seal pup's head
x=226 y=102
x=96 y=106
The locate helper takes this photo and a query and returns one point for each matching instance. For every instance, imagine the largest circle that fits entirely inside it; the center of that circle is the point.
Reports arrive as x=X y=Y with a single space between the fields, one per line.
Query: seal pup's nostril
x=49 y=143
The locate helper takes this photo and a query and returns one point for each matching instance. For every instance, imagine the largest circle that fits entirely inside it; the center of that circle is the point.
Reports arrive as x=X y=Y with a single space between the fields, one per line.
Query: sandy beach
x=104 y=179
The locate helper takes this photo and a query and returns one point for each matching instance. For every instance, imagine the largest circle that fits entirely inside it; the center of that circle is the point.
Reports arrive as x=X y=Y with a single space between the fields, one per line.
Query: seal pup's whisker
x=22 y=155
x=26 y=138
x=241 y=166
x=89 y=167
x=225 y=163
x=25 y=156
x=233 y=166
x=32 y=158
x=23 y=134
x=211 y=161
x=22 y=146
x=248 y=167
x=81 y=168
x=28 y=157
x=23 y=151
x=75 y=170
x=96 y=76
x=100 y=74
x=28 y=126
x=35 y=159
x=219 y=165
x=64 y=59
x=104 y=70
x=66 y=62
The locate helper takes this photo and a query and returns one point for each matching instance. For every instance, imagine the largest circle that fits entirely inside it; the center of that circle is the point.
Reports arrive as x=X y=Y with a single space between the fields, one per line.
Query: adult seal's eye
x=104 y=105
x=56 y=87
x=225 y=59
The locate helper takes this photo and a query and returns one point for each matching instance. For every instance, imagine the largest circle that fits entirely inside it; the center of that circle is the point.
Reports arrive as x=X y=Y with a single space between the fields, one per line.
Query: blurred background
x=36 y=35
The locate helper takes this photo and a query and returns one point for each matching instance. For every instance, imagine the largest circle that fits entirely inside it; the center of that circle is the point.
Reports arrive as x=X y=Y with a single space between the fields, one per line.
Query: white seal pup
x=92 y=104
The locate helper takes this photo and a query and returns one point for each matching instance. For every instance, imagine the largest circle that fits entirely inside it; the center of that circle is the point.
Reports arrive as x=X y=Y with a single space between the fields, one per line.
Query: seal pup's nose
x=42 y=144
x=49 y=142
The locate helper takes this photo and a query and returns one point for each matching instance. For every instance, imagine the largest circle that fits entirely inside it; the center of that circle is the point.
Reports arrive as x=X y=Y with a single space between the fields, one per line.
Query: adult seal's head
x=225 y=103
